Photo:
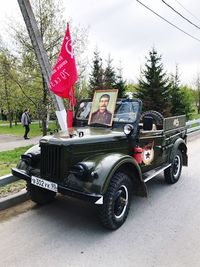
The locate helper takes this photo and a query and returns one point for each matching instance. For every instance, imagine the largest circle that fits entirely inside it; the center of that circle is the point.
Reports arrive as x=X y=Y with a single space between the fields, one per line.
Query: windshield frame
x=118 y=118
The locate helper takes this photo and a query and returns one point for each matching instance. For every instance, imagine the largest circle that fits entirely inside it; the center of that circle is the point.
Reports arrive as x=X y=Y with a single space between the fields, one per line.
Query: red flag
x=64 y=73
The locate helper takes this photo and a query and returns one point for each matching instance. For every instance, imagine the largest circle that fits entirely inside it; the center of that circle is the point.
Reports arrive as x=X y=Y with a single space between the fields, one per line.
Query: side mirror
x=128 y=129
x=147 y=123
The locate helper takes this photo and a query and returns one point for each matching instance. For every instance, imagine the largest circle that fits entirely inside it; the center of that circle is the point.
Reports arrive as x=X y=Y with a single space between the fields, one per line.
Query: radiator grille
x=52 y=165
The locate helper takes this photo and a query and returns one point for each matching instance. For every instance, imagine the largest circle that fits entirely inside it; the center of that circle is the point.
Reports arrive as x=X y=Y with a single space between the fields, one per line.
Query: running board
x=151 y=174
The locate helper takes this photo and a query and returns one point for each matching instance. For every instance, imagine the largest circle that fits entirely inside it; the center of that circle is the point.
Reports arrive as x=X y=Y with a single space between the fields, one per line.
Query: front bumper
x=90 y=197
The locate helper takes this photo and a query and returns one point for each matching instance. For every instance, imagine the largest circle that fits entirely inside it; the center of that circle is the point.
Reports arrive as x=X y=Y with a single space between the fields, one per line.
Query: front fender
x=181 y=145
x=102 y=167
x=30 y=158
x=33 y=150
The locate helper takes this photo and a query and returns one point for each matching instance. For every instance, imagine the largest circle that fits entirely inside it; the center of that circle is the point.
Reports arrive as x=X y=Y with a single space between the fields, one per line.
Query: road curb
x=14 y=199
x=8 y=179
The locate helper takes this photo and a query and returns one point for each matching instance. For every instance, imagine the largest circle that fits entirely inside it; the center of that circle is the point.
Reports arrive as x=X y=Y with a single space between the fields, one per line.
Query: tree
x=177 y=97
x=83 y=91
x=154 y=85
x=52 y=27
x=197 y=98
x=9 y=91
x=107 y=78
x=80 y=40
x=188 y=100
x=131 y=89
x=96 y=76
x=48 y=15
x=109 y=75
x=5 y=69
x=120 y=84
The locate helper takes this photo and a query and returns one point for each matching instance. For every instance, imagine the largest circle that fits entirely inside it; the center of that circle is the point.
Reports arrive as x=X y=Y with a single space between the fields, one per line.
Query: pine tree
x=120 y=84
x=109 y=75
x=177 y=98
x=154 y=86
x=96 y=76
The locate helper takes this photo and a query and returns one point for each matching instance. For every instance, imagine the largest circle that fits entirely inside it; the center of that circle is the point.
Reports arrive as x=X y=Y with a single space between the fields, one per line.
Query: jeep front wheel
x=39 y=195
x=116 y=204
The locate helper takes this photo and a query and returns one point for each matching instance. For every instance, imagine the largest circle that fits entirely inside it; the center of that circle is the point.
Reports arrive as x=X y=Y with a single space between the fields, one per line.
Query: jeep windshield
x=126 y=111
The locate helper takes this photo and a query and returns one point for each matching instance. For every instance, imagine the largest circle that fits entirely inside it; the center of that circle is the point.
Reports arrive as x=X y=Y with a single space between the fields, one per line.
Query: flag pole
x=42 y=58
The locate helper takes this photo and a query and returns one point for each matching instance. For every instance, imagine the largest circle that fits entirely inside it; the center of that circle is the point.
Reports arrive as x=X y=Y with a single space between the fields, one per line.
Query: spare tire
x=156 y=116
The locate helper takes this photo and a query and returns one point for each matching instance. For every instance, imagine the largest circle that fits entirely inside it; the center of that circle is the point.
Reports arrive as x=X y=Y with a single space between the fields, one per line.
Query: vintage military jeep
x=106 y=165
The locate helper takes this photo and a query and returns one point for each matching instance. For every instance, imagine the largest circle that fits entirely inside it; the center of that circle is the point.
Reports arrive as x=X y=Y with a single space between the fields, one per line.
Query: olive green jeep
x=104 y=164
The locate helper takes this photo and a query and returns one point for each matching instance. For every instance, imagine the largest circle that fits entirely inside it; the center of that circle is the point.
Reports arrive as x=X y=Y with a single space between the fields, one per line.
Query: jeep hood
x=83 y=135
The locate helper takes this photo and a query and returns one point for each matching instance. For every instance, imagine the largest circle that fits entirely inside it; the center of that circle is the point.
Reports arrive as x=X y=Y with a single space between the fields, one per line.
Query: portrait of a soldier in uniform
x=105 y=102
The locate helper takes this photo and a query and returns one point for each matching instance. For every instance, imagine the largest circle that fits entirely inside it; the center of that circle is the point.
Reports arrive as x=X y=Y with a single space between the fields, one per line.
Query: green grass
x=18 y=130
x=9 y=159
x=12 y=188
x=195 y=116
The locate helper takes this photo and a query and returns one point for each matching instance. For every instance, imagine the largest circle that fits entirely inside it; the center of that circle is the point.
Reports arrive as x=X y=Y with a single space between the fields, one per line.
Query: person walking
x=25 y=120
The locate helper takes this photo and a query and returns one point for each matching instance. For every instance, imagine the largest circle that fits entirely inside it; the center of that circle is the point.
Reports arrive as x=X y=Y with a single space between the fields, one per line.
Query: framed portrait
x=103 y=107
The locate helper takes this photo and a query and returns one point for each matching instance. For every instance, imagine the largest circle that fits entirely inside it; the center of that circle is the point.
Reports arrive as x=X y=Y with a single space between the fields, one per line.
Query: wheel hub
x=176 y=166
x=121 y=201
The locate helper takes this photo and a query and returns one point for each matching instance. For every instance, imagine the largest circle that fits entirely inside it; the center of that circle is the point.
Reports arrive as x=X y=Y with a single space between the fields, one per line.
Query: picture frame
x=103 y=107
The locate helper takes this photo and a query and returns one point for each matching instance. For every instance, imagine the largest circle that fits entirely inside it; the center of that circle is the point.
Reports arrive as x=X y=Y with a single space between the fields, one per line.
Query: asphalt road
x=162 y=230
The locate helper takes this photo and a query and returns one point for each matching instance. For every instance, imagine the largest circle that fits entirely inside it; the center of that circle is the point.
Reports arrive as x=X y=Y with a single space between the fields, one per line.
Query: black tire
x=39 y=195
x=116 y=204
x=156 y=116
x=172 y=174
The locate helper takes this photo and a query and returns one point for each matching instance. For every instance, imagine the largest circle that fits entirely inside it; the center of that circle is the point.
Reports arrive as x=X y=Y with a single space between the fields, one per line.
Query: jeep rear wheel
x=172 y=174
x=116 y=204
x=39 y=195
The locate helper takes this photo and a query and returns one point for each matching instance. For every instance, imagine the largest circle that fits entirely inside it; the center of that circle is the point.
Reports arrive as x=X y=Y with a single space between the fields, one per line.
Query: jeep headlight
x=80 y=170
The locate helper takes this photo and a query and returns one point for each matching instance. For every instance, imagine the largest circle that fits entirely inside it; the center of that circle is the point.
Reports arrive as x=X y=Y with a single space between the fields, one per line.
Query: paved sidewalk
x=9 y=141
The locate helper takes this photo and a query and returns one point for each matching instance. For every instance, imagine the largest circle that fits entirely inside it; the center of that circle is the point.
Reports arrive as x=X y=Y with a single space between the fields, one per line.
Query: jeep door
x=152 y=143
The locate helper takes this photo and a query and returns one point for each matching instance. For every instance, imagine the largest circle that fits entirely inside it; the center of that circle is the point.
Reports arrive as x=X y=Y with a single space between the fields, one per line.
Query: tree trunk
x=48 y=116
x=44 y=107
x=8 y=103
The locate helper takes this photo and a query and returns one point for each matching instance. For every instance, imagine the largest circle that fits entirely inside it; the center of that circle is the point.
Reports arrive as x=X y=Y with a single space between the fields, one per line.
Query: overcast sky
x=127 y=30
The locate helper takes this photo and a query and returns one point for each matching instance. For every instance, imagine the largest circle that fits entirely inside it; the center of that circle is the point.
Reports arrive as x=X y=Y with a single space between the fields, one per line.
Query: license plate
x=44 y=184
